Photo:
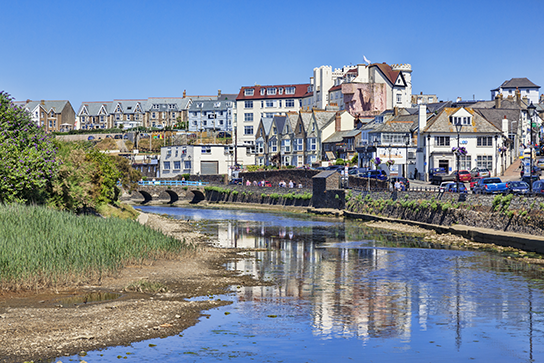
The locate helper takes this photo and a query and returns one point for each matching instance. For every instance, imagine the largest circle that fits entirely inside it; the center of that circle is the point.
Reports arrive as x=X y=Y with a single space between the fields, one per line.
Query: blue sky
x=93 y=50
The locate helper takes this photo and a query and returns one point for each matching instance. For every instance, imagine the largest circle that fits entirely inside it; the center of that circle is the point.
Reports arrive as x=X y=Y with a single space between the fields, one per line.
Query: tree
x=28 y=163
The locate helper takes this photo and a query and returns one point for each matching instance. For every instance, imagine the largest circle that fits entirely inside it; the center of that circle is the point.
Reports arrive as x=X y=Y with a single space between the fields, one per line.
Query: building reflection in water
x=365 y=291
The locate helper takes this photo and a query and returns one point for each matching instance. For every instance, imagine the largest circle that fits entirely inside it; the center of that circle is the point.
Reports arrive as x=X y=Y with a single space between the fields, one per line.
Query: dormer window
x=280 y=90
x=155 y=106
x=271 y=91
x=290 y=90
x=248 y=92
x=217 y=104
x=461 y=120
x=262 y=91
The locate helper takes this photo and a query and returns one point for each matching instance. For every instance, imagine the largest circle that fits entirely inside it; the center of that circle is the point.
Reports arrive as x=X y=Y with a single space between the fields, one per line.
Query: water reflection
x=344 y=291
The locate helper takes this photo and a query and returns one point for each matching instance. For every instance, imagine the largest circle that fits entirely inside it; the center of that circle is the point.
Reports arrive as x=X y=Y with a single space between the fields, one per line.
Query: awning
x=330 y=155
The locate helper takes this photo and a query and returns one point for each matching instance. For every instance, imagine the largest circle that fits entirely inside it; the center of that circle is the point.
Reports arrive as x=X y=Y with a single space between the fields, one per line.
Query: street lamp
x=458 y=127
x=407 y=142
x=531 y=110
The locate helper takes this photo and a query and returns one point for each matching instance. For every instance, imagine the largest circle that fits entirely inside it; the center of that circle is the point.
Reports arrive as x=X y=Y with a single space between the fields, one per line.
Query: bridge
x=166 y=191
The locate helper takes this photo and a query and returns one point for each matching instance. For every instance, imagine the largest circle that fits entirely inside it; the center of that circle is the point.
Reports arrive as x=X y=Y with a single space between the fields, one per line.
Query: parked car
x=490 y=186
x=452 y=188
x=224 y=134
x=375 y=174
x=237 y=181
x=479 y=172
x=401 y=179
x=358 y=172
x=540 y=163
x=118 y=137
x=473 y=182
x=517 y=187
x=443 y=186
x=538 y=187
x=437 y=171
x=90 y=138
x=464 y=175
x=528 y=179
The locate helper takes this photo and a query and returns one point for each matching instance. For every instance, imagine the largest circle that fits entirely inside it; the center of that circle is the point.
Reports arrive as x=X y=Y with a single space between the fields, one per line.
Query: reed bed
x=40 y=247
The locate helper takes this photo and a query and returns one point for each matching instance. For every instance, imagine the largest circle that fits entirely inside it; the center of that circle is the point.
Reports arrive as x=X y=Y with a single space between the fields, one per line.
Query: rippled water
x=346 y=293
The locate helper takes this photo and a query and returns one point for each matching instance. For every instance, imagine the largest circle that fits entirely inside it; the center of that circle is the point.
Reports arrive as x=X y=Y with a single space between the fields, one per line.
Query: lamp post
x=428 y=166
x=531 y=110
x=407 y=142
x=458 y=127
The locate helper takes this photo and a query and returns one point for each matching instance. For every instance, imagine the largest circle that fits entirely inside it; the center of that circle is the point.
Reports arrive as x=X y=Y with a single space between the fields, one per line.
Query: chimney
x=42 y=102
x=218 y=93
x=422 y=117
x=184 y=94
x=498 y=100
x=396 y=111
x=518 y=96
x=459 y=99
x=337 y=122
x=505 y=126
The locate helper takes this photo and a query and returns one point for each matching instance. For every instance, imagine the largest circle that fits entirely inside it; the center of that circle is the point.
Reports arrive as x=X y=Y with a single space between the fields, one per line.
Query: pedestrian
x=291 y=184
x=299 y=185
x=415 y=174
x=397 y=185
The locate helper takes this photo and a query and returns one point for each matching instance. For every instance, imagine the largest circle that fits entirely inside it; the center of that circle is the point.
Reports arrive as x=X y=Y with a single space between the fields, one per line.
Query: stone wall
x=260 y=195
x=298 y=176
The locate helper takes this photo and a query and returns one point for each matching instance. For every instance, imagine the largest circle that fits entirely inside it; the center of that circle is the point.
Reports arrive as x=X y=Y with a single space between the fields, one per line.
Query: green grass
x=40 y=247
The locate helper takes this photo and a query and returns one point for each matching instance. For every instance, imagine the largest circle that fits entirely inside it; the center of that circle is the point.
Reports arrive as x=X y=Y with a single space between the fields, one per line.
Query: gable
x=118 y=109
x=400 y=82
x=84 y=111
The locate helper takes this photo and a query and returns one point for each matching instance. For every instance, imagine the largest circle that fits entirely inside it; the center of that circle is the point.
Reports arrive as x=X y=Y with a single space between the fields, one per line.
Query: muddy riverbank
x=48 y=324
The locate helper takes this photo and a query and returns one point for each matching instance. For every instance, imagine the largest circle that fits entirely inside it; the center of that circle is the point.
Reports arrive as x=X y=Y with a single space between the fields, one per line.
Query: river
x=347 y=293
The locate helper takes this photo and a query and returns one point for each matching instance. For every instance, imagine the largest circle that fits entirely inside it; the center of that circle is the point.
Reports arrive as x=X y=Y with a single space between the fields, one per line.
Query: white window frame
x=249 y=91
x=248 y=117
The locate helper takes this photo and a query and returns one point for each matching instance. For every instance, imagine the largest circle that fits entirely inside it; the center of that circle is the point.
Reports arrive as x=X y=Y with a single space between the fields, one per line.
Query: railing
x=172 y=182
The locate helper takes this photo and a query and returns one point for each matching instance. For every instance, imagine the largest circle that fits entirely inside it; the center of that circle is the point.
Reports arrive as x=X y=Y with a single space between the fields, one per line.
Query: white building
x=216 y=115
x=526 y=88
x=254 y=103
x=202 y=159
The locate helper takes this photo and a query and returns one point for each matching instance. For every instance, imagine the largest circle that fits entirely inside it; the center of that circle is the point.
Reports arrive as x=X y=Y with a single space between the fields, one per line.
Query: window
x=485 y=141
x=397 y=139
x=248 y=130
x=286 y=145
x=117 y=117
x=289 y=103
x=248 y=104
x=461 y=120
x=298 y=145
x=311 y=144
x=173 y=114
x=262 y=91
x=248 y=92
x=206 y=150
x=82 y=118
x=166 y=165
x=217 y=104
x=484 y=161
x=156 y=106
x=399 y=98
x=187 y=165
x=273 y=146
x=280 y=90
x=279 y=103
x=101 y=118
x=269 y=103
x=153 y=115
x=177 y=165
x=464 y=162
x=271 y=91
x=311 y=159
x=441 y=141
x=289 y=90
x=248 y=117
x=269 y=114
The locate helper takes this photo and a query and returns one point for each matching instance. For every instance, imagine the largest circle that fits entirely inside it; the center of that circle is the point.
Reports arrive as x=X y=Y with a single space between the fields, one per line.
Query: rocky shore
x=44 y=325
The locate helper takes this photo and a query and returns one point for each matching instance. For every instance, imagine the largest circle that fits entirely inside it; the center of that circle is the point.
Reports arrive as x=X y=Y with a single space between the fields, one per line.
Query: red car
x=473 y=182
x=464 y=175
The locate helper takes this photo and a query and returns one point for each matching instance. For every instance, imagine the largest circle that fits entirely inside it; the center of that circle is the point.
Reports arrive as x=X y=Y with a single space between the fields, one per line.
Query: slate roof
x=441 y=123
x=399 y=124
x=128 y=106
x=180 y=102
x=279 y=121
x=209 y=105
x=339 y=136
x=517 y=83
x=94 y=107
x=57 y=106
x=495 y=116
x=323 y=118
x=505 y=104
x=292 y=118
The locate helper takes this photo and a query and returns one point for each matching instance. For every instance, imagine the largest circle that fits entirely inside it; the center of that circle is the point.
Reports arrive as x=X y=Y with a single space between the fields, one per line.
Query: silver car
x=540 y=163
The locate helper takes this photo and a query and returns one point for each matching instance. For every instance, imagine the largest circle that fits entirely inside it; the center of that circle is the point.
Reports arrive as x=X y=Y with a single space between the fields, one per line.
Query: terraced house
x=152 y=112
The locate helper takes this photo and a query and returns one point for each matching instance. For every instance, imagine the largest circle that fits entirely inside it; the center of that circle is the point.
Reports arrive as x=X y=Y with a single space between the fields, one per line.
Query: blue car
x=452 y=188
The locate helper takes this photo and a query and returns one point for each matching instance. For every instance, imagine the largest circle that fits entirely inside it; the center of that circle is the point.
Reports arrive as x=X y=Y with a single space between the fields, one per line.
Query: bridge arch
x=198 y=196
x=169 y=196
